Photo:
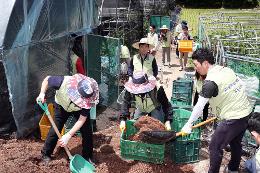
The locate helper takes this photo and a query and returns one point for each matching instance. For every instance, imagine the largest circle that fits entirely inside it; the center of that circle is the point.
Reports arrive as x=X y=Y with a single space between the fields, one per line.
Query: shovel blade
x=159 y=137
x=79 y=165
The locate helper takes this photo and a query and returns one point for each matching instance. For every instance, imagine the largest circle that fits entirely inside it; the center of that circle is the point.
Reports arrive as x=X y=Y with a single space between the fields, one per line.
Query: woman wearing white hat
x=165 y=38
x=143 y=61
x=143 y=92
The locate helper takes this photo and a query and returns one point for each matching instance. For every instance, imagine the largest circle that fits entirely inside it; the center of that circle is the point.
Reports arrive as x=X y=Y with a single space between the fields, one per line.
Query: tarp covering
x=35 y=45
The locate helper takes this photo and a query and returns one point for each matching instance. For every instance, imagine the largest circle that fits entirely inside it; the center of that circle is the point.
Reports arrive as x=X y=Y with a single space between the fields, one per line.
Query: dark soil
x=24 y=156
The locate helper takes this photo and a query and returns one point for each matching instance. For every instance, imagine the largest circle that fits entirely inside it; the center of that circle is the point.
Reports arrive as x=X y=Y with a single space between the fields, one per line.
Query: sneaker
x=170 y=66
x=181 y=69
x=46 y=159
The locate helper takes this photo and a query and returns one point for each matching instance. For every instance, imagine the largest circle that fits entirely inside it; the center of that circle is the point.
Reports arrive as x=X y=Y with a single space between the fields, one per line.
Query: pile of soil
x=146 y=123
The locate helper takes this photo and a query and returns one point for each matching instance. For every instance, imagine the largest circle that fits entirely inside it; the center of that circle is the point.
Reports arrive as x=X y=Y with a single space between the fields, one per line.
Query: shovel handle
x=198 y=125
x=44 y=106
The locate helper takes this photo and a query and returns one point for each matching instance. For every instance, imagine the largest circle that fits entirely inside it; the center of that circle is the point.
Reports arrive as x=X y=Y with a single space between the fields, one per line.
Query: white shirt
x=153 y=39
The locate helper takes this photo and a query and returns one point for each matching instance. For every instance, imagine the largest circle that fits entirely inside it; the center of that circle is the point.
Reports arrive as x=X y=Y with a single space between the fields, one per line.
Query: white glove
x=40 y=98
x=64 y=139
x=167 y=125
x=122 y=126
x=186 y=129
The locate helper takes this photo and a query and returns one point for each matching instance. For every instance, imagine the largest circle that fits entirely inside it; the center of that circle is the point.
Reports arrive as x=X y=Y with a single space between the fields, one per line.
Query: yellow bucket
x=185 y=45
x=45 y=124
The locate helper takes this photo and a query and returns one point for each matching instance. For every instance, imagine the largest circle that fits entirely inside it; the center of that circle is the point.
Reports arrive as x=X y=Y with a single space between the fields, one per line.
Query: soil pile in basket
x=146 y=123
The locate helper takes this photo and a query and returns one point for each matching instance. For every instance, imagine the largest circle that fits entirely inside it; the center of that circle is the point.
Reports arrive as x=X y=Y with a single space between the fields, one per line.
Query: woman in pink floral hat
x=142 y=91
x=75 y=95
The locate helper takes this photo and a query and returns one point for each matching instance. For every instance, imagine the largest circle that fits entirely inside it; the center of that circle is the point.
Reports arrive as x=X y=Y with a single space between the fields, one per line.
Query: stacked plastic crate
x=182 y=94
x=184 y=149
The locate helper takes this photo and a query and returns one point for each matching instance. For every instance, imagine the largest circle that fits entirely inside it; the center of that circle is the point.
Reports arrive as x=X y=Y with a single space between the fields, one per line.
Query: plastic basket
x=45 y=124
x=134 y=150
x=181 y=116
x=249 y=139
x=185 y=45
x=182 y=92
x=185 y=151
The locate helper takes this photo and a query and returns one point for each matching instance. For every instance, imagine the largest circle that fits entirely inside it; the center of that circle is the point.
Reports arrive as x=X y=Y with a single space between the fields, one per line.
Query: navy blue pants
x=227 y=132
x=60 y=118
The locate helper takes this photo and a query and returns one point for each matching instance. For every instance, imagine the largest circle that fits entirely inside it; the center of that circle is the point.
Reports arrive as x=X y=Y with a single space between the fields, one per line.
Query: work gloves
x=167 y=125
x=65 y=139
x=40 y=98
x=122 y=126
x=186 y=129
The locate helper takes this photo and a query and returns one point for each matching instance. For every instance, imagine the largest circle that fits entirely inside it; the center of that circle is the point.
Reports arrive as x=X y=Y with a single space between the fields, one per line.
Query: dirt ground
x=24 y=156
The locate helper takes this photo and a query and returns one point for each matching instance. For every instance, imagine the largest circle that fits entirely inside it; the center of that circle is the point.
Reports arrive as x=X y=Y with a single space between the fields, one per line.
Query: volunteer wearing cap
x=143 y=92
x=226 y=95
x=143 y=61
x=75 y=95
x=166 y=39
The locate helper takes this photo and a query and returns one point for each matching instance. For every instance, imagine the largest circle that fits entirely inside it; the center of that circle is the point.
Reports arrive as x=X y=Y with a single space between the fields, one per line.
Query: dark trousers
x=60 y=119
x=227 y=132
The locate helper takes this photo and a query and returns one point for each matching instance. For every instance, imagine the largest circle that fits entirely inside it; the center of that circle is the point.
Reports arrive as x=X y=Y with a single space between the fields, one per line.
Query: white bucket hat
x=164 y=27
x=144 y=41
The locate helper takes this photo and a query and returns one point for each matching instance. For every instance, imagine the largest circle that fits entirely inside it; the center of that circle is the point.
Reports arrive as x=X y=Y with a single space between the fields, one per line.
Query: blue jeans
x=157 y=113
x=251 y=165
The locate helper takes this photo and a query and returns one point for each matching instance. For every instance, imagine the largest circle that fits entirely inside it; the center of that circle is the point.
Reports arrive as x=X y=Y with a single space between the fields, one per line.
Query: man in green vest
x=142 y=91
x=226 y=95
x=75 y=96
x=143 y=61
x=253 y=165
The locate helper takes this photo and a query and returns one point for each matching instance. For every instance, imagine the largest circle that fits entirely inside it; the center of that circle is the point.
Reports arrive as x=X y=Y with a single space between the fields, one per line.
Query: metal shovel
x=160 y=137
x=77 y=163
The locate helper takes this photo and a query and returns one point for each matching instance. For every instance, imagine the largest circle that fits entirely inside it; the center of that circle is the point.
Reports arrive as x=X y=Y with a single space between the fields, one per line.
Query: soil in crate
x=146 y=123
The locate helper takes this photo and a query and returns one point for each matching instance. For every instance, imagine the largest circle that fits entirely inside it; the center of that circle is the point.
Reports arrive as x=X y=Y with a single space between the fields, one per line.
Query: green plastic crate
x=182 y=92
x=181 y=116
x=181 y=102
x=249 y=139
x=185 y=151
x=186 y=107
x=134 y=150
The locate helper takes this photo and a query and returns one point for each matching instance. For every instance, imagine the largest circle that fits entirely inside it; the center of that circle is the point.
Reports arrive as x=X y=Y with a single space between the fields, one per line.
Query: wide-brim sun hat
x=164 y=27
x=142 y=41
x=83 y=91
x=141 y=83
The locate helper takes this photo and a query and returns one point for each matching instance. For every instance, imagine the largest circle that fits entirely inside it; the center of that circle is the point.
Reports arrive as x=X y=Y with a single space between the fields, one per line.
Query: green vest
x=167 y=42
x=199 y=84
x=74 y=59
x=147 y=66
x=145 y=105
x=231 y=101
x=125 y=52
x=62 y=98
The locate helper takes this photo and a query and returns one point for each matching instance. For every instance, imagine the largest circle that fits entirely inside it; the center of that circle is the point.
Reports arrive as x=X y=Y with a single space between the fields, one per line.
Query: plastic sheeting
x=36 y=45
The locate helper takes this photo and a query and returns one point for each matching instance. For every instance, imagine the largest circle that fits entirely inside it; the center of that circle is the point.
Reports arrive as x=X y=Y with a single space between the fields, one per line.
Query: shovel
x=77 y=163
x=160 y=137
